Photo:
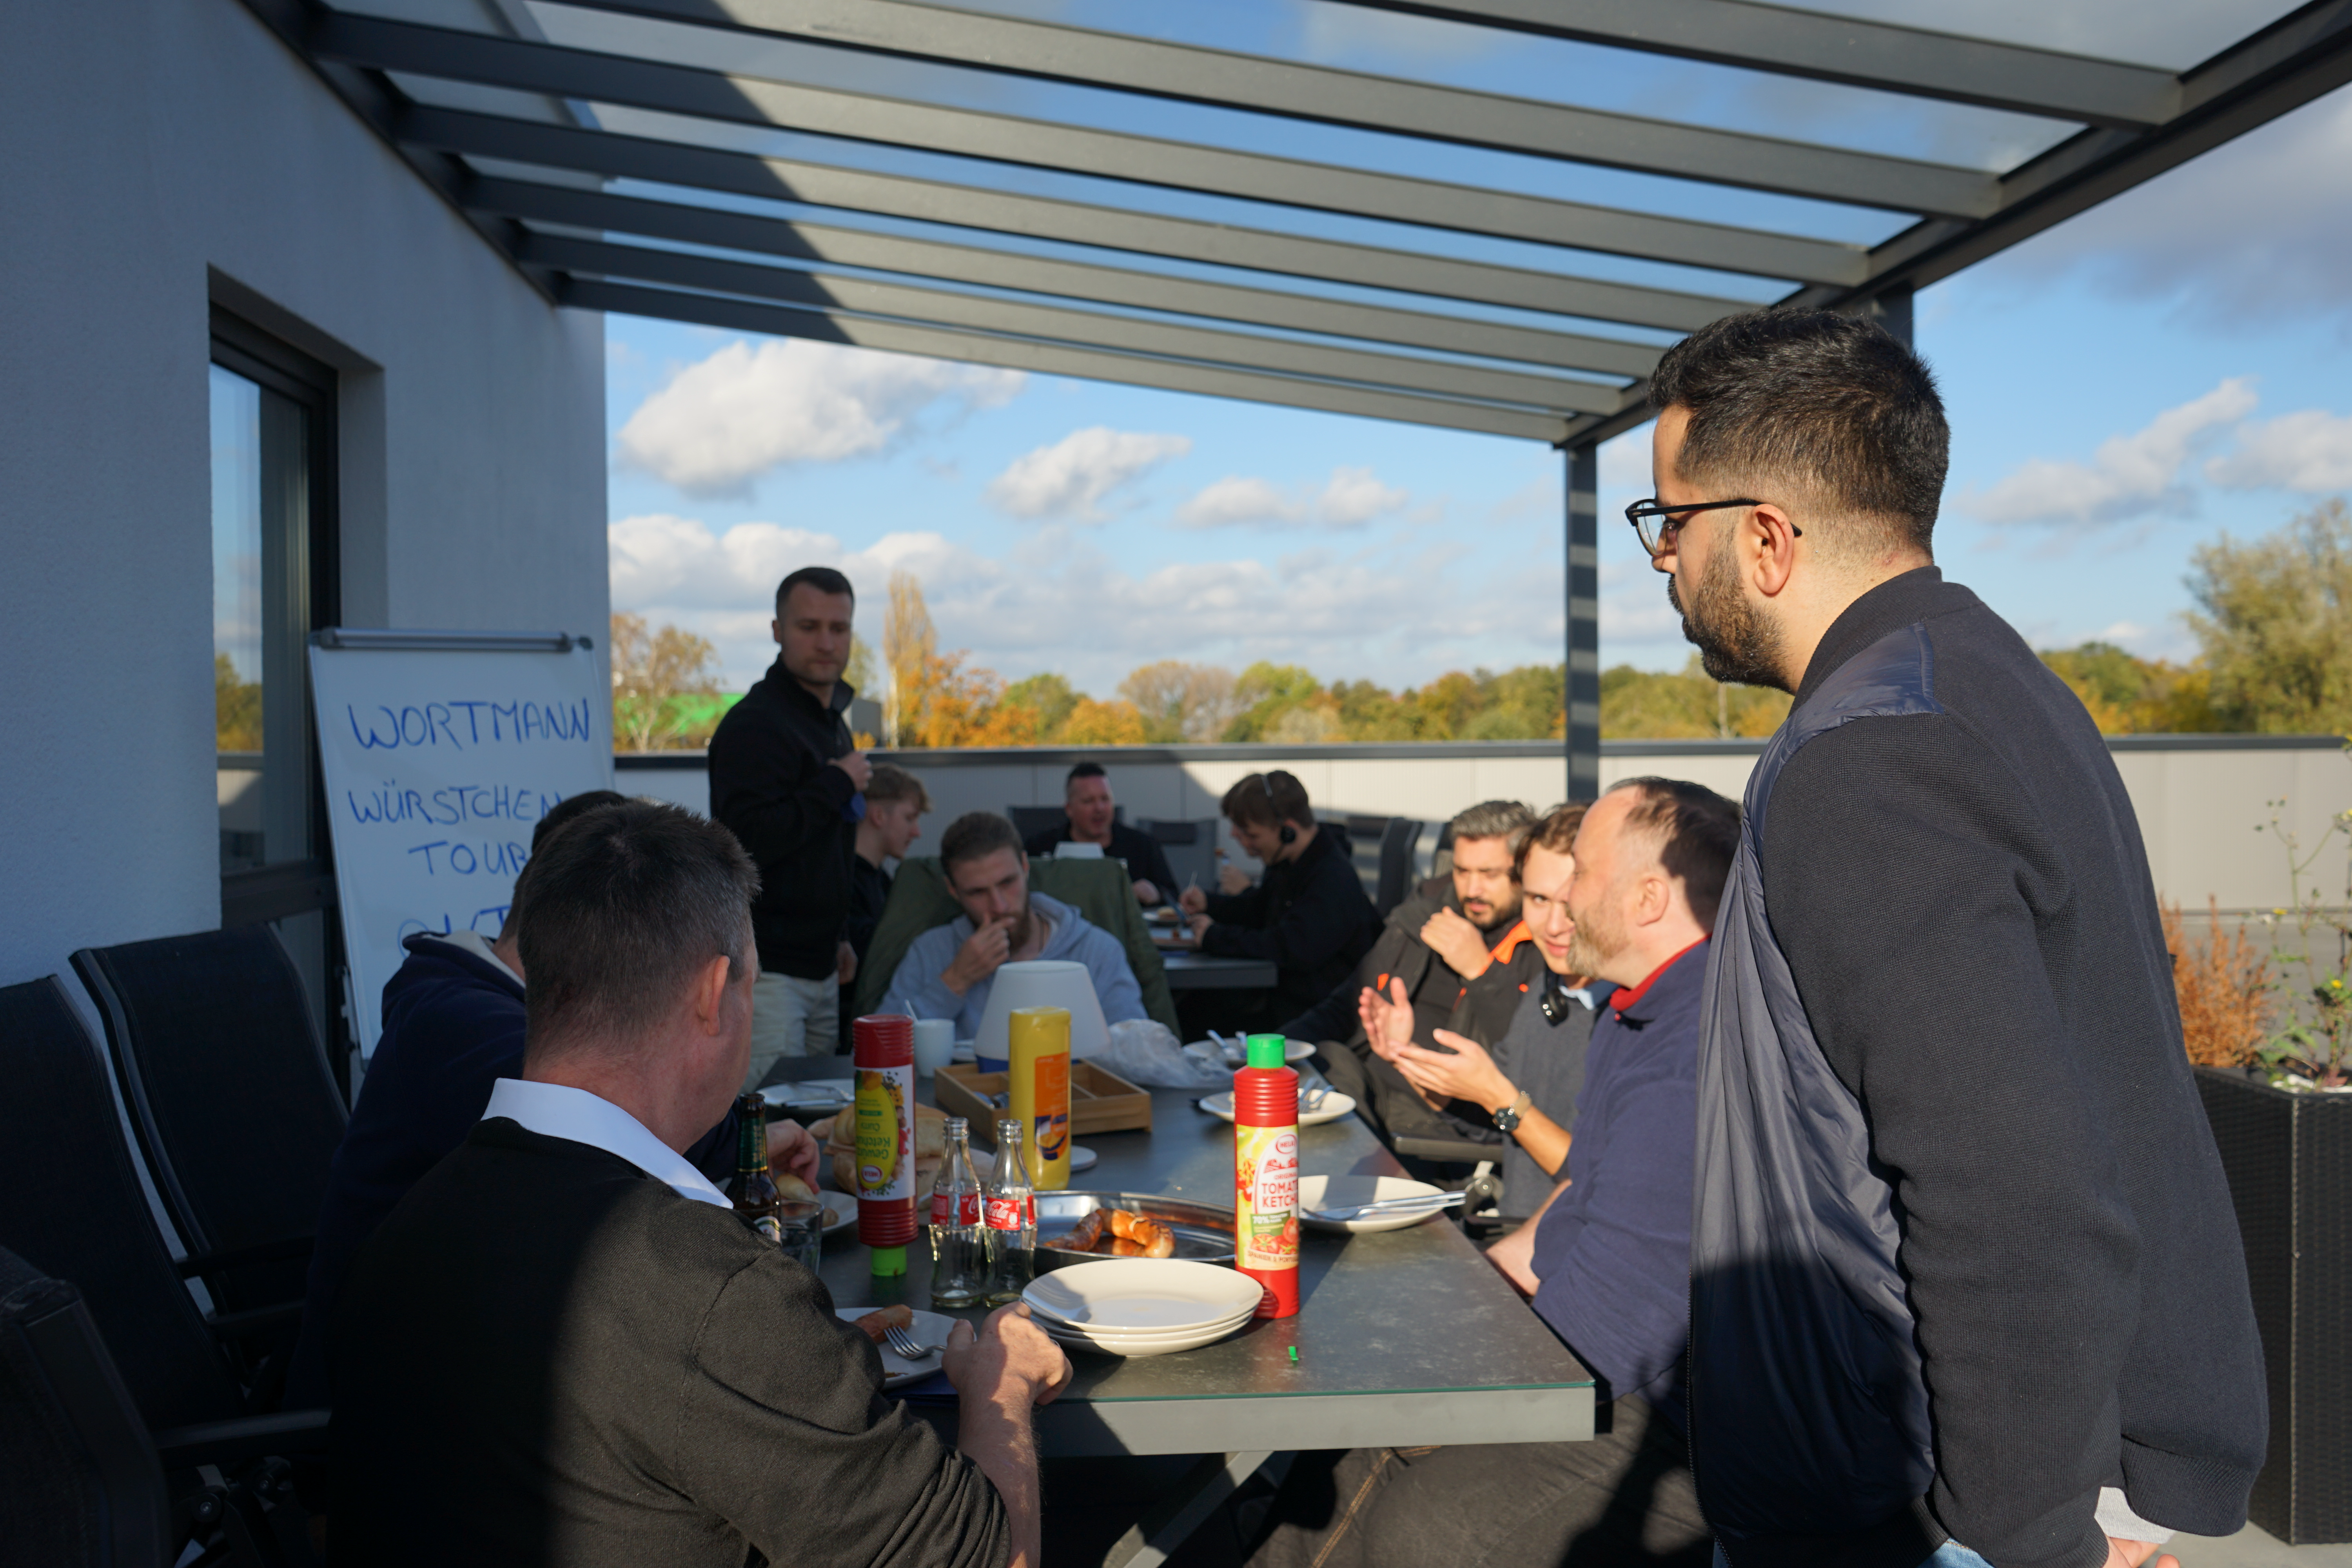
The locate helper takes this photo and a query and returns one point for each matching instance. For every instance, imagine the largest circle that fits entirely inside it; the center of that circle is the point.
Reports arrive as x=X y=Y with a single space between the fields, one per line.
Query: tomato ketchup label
x=1265 y=1170
x=946 y=1211
x=1012 y=1213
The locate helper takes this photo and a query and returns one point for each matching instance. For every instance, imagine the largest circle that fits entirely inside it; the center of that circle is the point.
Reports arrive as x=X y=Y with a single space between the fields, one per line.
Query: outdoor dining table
x=1403 y=1338
x=1189 y=971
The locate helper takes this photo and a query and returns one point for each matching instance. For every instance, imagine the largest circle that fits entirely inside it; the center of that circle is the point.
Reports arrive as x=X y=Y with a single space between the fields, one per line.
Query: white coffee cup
x=934 y=1044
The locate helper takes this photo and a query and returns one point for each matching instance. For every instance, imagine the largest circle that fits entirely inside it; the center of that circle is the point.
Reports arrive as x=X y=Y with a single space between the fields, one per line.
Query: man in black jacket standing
x=785 y=779
x=1309 y=913
x=1966 y=1283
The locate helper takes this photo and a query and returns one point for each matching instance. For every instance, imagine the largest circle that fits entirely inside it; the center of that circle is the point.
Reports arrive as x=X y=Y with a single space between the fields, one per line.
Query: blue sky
x=2163 y=367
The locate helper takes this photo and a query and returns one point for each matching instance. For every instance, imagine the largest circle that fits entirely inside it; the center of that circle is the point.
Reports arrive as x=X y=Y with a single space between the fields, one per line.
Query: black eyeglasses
x=1653 y=520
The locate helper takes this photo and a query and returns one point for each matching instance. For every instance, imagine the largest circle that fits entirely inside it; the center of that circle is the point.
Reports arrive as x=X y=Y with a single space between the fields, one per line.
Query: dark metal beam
x=740 y=100
x=998 y=317
x=821 y=244
x=1583 y=473
x=1038 y=217
x=1809 y=44
x=1055 y=359
x=1051 y=52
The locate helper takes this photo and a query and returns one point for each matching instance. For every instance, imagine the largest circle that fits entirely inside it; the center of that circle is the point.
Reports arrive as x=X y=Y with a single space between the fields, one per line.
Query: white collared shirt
x=559 y=1110
x=473 y=941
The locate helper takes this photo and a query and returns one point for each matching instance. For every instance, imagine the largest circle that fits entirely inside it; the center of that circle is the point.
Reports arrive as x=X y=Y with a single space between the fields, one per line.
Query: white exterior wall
x=2198 y=805
x=163 y=154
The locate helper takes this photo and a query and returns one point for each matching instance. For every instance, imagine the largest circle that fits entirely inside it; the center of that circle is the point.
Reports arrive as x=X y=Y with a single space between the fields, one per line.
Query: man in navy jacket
x=1966 y=1284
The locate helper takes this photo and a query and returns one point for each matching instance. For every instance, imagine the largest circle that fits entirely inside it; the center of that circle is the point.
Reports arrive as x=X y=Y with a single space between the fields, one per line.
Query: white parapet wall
x=2200 y=799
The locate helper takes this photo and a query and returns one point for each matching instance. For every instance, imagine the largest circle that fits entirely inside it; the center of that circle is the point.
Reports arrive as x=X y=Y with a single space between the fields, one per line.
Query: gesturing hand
x=1146 y=893
x=856 y=766
x=789 y=1148
x=982 y=953
x=1451 y=936
x=1232 y=879
x=1468 y=1074
x=1387 y=1020
x=2122 y=1553
x=1192 y=900
x=845 y=962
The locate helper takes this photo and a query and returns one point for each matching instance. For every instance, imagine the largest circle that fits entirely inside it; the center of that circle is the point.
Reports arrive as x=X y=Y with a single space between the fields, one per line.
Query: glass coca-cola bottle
x=958 y=1235
x=1011 y=1213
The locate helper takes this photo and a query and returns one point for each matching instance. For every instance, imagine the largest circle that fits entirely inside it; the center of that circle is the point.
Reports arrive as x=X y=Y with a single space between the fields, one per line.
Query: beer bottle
x=758 y=1201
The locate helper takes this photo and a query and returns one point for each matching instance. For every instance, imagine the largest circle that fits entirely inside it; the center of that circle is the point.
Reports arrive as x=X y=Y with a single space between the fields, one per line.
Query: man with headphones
x=1309 y=913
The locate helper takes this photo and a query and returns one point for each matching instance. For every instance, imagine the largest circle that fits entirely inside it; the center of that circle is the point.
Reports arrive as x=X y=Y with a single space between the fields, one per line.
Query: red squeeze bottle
x=1266 y=1176
x=882 y=1060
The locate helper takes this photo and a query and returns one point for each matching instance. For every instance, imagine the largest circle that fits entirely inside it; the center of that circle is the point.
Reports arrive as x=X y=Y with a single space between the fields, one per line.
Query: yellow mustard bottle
x=1038 y=1053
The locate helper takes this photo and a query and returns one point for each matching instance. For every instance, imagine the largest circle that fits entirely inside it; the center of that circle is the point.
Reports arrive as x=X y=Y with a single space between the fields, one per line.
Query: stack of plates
x=1141 y=1305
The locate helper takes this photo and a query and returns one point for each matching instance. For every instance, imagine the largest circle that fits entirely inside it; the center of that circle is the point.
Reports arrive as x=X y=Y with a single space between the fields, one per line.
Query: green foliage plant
x=2314 y=1049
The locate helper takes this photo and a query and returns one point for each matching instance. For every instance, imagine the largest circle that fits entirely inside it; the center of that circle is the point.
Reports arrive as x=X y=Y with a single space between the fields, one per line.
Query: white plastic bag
x=1145 y=1054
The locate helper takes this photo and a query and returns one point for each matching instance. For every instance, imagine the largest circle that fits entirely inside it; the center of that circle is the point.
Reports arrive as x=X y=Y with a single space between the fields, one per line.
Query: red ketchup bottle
x=882 y=1058
x=1266 y=1176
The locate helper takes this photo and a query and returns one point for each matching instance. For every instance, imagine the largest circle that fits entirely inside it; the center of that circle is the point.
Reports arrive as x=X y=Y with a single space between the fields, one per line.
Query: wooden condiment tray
x=1100 y=1101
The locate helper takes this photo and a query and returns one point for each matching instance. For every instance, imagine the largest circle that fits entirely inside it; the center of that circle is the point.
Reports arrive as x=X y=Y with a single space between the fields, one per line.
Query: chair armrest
x=285 y=1251
x=227 y=1443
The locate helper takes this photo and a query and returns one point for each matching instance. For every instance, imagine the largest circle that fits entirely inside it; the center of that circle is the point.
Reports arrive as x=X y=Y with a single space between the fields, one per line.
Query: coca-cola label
x=957 y=1209
x=1012 y=1213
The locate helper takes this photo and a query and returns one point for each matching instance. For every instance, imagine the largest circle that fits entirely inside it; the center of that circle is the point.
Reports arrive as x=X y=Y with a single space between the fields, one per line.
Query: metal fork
x=904 y=1342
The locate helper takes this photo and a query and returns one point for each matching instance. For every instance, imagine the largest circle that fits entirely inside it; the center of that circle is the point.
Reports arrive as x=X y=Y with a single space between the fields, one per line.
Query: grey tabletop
x=1403 y=1338
x=1208 y=972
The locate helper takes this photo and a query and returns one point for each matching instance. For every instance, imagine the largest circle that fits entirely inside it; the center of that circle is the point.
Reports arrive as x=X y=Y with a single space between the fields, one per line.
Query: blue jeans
x=1951 y=1555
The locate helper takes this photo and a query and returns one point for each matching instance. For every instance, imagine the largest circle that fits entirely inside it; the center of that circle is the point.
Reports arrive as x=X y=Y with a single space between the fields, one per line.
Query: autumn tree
x=910 y=647
x=657 y=678
x=1178 y=701
x=237 y=708
x=2275 y=625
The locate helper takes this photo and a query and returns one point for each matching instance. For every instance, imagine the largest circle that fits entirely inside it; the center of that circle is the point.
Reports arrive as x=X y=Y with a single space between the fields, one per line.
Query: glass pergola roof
x=1483 y=215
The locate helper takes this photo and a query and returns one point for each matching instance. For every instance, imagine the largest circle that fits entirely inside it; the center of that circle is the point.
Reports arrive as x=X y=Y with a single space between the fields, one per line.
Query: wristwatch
x=1509 y=1118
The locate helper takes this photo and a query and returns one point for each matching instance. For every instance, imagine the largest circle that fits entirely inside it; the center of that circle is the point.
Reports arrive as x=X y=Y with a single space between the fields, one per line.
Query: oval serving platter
x=1204 y=1233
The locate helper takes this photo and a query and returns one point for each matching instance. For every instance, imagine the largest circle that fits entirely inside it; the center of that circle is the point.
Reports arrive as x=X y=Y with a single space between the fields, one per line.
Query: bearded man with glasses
x=1966 y=1279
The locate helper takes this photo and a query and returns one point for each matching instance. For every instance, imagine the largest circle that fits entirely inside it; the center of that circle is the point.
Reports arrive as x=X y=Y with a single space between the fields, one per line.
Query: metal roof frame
x=1435 y=330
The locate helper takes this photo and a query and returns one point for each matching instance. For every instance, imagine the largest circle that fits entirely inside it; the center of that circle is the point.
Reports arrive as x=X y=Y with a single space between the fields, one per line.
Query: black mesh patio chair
x=232 y=1102
x=1030 y=820
x=74 y=1211
x=1396 y=878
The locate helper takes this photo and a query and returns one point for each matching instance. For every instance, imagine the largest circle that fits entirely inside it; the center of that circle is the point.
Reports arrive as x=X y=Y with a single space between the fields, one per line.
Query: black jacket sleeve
x=1148 y=862
x=1913 y=943
x=1329 y=913
x=1335 y=1018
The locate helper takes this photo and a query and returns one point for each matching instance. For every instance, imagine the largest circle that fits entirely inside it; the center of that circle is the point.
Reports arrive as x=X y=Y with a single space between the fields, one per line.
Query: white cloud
x=1072 y=478
x=2128 y=476
x=1384 y=609
x=1349 y=499
x=720 y=423
x=1347 y=35
x=2310 y=450
x=1354 y=497
x=1234 y=501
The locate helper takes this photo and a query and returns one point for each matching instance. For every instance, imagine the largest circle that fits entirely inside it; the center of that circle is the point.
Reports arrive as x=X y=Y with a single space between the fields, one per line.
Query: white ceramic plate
x=1148 y=1293
x=1342 y=1192
x=1112 y=1345
x=1292 y=1052
x=1334 y=1106
x=840 y=1211
x=1081 y=1159
x=932 y=1328
x=1140 y=1336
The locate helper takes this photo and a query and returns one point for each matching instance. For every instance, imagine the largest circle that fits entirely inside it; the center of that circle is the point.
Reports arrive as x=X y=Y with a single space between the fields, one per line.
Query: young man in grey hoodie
x=949 y=970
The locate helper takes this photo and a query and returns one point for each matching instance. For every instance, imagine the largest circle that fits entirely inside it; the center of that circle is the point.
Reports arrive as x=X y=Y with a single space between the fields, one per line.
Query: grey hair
x=1505 y=819
x=619 y=912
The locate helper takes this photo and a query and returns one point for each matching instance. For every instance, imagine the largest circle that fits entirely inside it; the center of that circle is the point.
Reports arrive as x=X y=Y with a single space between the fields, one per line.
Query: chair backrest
x=1190 y=848
x=1396 y=878
x=70 y=1206
x=229 y=1089
x=1098 y=890
x=1364 y=836
x=1030 y=820
x=80 y=1483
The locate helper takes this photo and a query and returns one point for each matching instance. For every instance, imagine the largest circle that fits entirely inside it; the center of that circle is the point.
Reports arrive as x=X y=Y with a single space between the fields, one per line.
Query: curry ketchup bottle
x=1266 y=1176
x=882 y=1060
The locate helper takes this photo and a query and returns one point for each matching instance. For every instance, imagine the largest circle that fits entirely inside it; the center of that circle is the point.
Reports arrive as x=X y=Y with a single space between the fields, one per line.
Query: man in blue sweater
x=453 y=1026
x=1606 y=1263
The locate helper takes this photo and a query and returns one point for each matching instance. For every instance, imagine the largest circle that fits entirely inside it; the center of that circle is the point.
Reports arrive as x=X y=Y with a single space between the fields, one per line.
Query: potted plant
x=2280 y=1102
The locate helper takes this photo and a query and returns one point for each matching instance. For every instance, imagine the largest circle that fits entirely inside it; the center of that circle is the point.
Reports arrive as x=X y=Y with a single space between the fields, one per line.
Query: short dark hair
x=1698 y=832
x=621 y=909
x=890 y=782
x=1834 y=403
x=1556 y=833
x=571 y=807
x=1083 y=770
x=1265 y=800
x=1505 y=819
x=824 y=579
x=975 y=835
